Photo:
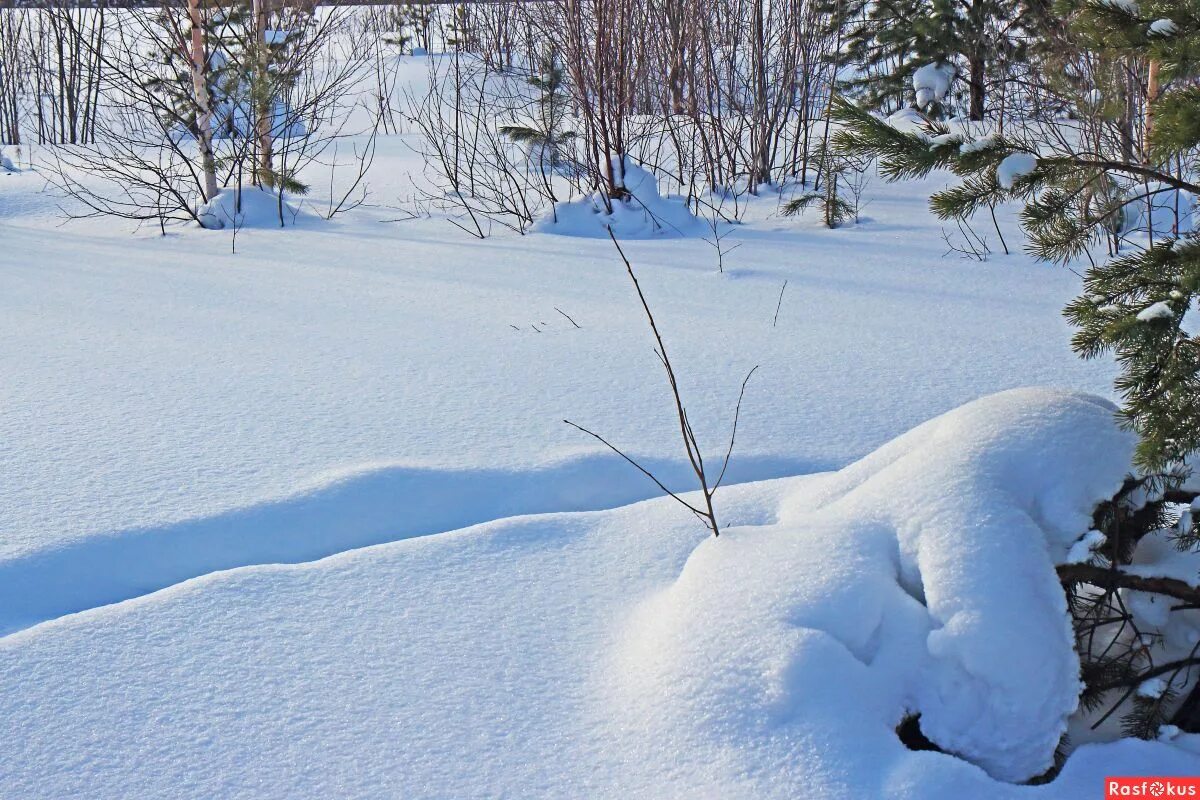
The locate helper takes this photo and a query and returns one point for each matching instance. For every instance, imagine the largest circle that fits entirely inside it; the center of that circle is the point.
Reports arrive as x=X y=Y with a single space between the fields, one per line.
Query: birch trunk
x=199 y=68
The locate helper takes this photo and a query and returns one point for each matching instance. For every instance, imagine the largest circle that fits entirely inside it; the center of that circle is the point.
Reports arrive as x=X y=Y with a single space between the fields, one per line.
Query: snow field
x=185 y=431
x=619 y=653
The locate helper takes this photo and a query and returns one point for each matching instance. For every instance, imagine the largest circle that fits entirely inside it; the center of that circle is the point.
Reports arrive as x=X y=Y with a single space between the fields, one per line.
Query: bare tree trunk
x=978 y=84
x=1151 y=96
x=264 y=171
x=1129 y=114
x=199 y=68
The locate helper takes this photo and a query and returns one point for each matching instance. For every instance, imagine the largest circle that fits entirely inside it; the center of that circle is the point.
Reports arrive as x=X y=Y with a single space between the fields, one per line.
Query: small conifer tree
x=247 y=73
x=1136 y=305
x=967 y=40
x=547 y=139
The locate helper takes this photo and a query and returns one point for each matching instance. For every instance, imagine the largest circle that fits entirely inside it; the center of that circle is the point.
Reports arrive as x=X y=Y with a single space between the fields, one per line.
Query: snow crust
x=645 y=214
x=621 y=653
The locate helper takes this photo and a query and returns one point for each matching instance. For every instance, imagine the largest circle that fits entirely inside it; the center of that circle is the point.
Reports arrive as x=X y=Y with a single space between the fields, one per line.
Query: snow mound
x=644 y=215
x=919 y=580
x=932 y=83
x=1014 y=167
x=246 y=207
x=908 y=120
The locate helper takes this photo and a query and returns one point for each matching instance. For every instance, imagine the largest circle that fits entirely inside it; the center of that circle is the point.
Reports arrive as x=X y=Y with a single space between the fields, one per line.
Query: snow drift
x=246 y=207
x=918 y=581
x=644 y=214
x=607 y=654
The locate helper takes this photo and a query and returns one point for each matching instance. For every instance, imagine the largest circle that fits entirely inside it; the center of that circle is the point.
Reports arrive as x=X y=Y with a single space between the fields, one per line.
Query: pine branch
x=1110 y=579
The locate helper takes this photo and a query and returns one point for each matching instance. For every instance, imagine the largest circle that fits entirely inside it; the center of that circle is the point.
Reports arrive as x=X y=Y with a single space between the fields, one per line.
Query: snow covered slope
x=618 y=653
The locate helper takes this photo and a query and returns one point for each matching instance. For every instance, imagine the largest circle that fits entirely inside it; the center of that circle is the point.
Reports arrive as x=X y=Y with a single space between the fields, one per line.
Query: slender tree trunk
x=1129 y=114
x=978 y=86
x=760 y=166
x=264 y=95
x=199 y=68
x=1151 y=96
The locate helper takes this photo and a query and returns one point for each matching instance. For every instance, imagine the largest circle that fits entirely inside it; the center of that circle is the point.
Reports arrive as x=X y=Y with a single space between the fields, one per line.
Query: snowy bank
x=622 y=653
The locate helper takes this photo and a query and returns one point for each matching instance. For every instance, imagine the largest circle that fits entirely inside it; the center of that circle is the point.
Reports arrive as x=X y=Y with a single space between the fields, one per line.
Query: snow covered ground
x=170 y=410
x=354 y=374
x=605 y=654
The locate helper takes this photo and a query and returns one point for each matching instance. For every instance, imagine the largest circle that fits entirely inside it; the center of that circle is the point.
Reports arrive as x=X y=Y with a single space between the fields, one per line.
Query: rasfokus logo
x=1151 y=787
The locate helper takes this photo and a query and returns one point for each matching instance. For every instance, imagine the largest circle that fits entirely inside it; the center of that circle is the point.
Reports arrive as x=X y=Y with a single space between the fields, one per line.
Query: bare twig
x=702 y=515
x=568 y=316
x=707 y=514
x=737 y=412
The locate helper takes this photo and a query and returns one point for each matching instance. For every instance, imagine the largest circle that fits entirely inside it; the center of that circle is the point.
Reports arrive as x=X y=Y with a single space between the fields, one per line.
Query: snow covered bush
x=924 y=581
x=1124 y=578
x=641 y=213
x=254 y=97
x=481 y=171
x=1075 y=198
x=946 y=59
x=246 y=207
x=1132 y=597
